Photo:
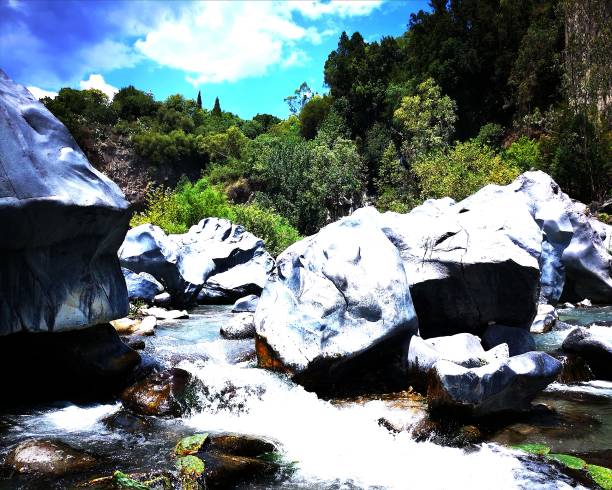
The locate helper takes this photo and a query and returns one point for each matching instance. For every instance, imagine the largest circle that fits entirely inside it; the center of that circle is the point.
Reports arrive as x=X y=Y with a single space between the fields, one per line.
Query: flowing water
x=332 y=444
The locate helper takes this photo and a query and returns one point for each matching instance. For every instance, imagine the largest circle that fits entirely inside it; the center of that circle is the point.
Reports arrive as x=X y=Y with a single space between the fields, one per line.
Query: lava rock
x=246 y=304
x=126 y=421
x=241 y=326
x=63 y=222
x=333 y=299
x=170 y=393
x=48 y=457
x=594 y=345
x=518 y=340
x=501 y=386
x=141 y=286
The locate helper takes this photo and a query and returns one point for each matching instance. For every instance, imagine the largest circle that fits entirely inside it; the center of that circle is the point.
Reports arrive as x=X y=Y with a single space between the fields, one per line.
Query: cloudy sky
x=250 y=54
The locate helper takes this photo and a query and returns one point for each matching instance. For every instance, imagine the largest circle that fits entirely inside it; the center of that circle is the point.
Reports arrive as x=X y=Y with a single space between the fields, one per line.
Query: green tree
x=394 y=185
x=524 y=154
x=299 y=98
x=217 y=108
x=199 y=100
x=131 y=103
x=312 y=115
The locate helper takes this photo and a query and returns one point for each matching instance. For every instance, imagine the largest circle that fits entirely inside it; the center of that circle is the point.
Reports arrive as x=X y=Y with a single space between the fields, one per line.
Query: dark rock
x=501 y=386
x=63 y=222
x=227 y=471
x=518 y=340
x=241 y=326
x=77 y=364
x=170 y=393
x=335 y=299
x=141 y=286
x=594 y=345
x=545 y=319
x=239 y=445
x=48 y=457
x=246 y=304
x=134 y=342
x=124 y=420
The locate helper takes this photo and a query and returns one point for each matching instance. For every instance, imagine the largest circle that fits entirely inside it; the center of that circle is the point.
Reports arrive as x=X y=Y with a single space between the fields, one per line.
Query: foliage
x=190 y=444
x=600 y=475
x=461 y=171
x=538 y=449
x=491 y=134
x=131 y=103
x=394 y=184
x=169 y=149
x=216 y=111
x=566 y=460
x=190 y=466
x=300 y=97
x=121 y=480
x=312 y=115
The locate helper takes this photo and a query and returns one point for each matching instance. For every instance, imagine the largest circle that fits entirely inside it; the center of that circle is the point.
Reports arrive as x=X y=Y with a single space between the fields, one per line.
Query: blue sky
x=249 y=54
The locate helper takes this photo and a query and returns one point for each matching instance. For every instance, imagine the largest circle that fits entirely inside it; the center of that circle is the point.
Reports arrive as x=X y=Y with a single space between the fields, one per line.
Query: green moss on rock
x=570 y=461
x=190 y=445
x=538 y=449
x=600 y=475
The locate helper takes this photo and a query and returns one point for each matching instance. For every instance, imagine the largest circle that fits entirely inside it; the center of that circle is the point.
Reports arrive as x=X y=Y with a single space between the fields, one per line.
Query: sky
x=249 y=54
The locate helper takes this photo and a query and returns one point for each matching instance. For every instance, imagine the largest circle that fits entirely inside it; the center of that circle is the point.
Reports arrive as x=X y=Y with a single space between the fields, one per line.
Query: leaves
x=190 y=444
x=570 y=461
x=122 y=480
x=600 y=475
x=190 y=466
x=538 y=449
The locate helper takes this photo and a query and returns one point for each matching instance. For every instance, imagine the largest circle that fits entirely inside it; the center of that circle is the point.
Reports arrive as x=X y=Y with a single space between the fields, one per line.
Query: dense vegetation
x=474 y=92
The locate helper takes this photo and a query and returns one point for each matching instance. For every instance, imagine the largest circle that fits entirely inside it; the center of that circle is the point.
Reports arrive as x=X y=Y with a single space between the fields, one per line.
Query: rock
x=141 y=286
x=246 y=304
x=64 y=222
x=48 y=457
x=162 y=300
x=86 y=363
x=585 y=303
x=505 y=385
x=125 y=326
x=134 y=342
x=147 y=326
x=594 y=345
x=518 y=340
x=334 y=300
x=127 y=421
x=226 y=471
x=170 y=393
x=240 y=445
x=569 y=305
x=241 y=326
x=215 y=253
x=162 y=314
x=545 y=319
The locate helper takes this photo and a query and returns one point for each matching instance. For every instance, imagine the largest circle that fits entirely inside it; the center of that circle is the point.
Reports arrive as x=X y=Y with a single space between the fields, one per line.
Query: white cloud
x=97 y=81
x=40 y=93
x=110 y=55
x=227 y=41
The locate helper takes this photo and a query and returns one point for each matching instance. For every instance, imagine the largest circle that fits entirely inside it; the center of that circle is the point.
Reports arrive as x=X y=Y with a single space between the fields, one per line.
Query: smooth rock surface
x=545 y=319
x=594 y=345
x=63 y=222
x=48 y=457
x=163 y=314
x=332 y=299
x=241 y=326
x=246 y=304
x=141 y=286
x=518 y=340
x=505 y=385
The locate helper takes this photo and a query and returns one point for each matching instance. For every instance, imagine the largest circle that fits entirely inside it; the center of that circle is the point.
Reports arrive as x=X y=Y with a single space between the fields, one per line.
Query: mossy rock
x=600 y=475
x=190 y=445
x=570 y=461
x=121 y=480
x=190 y=466
x=538 y=449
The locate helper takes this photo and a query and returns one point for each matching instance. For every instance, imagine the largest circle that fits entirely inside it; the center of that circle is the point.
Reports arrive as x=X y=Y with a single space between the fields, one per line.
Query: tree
x=131 y=103
x=299 y=98
x=425 y=120
x=312 y=115
x=216 y=108
x=199 y=100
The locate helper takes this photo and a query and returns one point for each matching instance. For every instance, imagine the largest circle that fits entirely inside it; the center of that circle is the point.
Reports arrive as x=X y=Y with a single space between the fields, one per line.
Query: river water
x=332 y=445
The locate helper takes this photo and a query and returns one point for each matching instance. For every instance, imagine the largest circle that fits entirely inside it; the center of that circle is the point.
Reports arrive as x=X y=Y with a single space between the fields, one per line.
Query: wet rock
x=134 y=342
x=163 y=314
x=240 y=445
x=569 y=305
x=147 y=326
x=594 y=345
x=575 y=370
x=125 y=326
x=162 y=300
x=215 y=253
x=170 y=393
x=545 y=319
x=505 y=385
x=141 y=286
x=81 y=363
x=241 y=326
x=585 y=303
x=63 y=222
x=227 y=471
x=246 y=304
x=333 y=299
x=127 y=421
x=519 y=340
x=48 y=457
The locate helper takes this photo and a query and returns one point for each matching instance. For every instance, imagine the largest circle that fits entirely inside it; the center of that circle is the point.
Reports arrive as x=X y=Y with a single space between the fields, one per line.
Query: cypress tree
x=199 y=101
x=217 y=108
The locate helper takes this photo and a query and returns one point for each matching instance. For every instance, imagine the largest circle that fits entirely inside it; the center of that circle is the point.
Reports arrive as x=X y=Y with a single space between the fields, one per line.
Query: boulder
x=147 y=326
x=240 y=445
x=228 y=471
x=48 y=457
x=246 y=304
x=503 y=385
x=215 y=253
x=63 y=222
x=545 y=319
x=162 y=300
x=594 y=345
x=241 y=326
x=141 y=286
x=518 y=340
x=585 y=303
x=163 y=314
x=170 y=393
x=336 y=301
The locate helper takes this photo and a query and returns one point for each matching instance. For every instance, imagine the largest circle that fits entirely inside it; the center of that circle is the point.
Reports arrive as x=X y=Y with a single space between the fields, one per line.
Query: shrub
x=523 y=154
x=169 y=149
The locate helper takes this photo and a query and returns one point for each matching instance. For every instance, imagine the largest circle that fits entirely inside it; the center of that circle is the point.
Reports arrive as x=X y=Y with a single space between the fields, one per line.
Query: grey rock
x=594 y=345
x=48 y=457
x=141 y=286
x=246 y=304
x=241 y=326
x=545 y=319
x=162 y=300
x=63 y=222
x=501 y=386
x=518 y=340
x=585 y=303
x=163 y=314
x=333 y=298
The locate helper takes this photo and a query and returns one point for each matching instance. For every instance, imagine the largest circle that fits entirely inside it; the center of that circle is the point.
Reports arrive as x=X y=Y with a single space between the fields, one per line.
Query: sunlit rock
x=246 y=304
x=141 y=286
x=241 y=326
x=48 y=457
x=594 y=345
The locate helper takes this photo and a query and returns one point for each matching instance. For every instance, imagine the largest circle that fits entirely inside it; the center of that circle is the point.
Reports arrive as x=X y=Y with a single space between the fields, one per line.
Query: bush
x=169 y=149
x=461 y=171
x=523 y=154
